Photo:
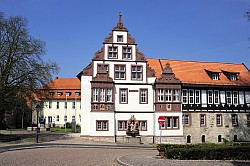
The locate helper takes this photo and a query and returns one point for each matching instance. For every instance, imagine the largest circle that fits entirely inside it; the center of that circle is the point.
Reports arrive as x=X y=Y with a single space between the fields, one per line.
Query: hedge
x=227 y=151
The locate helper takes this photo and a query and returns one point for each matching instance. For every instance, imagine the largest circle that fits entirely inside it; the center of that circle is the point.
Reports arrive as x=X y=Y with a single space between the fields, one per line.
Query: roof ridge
x=197 y=61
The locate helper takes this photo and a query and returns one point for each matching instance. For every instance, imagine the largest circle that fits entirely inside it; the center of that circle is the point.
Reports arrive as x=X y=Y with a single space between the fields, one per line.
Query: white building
x=118 y=84
x=61 y=103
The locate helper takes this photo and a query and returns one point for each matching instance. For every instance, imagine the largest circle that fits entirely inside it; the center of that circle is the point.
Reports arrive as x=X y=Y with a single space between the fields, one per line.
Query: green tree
x=22 y=68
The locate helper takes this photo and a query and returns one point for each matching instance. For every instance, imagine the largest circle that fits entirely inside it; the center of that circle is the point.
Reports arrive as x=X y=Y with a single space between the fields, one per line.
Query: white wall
x=85 y=104
x=124 y=34
x=128 y=70
x=133 y=99
x=178 y=132
x=139 y=116
x=102 y=116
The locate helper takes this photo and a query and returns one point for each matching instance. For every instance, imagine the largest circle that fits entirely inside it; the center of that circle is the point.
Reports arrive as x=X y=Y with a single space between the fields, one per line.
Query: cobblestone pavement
x=150 y=159
x=60 y=149
x=66 y=156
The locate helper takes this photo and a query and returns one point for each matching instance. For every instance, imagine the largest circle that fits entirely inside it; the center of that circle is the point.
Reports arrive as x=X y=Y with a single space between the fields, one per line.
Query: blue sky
x=197 y=30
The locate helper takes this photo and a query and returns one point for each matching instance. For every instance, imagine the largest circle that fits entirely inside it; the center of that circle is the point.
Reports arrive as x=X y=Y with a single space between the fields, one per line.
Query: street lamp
x=37 y=111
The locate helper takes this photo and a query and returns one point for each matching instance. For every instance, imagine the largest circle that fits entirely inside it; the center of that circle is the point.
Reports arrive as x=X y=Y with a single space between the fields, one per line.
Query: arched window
x=188 y=139
x=219 y=138
x=203 y=138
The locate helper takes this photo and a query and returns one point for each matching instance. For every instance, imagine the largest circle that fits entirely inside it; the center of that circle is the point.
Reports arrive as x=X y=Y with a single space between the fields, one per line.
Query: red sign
x=161 y=120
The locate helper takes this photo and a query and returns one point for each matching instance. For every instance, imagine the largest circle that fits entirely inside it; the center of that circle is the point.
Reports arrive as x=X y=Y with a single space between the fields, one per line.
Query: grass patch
x=61 y=130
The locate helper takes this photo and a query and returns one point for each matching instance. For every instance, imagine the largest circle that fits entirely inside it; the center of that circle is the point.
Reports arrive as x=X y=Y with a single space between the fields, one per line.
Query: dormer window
x=59 y=93
x=233 y=77
x=214 y=73
x=51 y=93
x=119 y=38
x=68 y=94
x=77 y=93
x=215 y=76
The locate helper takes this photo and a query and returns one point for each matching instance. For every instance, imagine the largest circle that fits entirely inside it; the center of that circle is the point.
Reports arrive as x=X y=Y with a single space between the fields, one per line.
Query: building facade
x=61 y=103
x=201 y=101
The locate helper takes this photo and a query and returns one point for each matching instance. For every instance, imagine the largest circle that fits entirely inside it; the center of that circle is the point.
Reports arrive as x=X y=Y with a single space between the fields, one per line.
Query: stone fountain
x=132 y=132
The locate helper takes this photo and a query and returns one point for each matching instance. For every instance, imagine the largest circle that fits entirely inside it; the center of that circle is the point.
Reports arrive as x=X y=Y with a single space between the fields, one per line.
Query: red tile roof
x=193 y=72
x=64 y=85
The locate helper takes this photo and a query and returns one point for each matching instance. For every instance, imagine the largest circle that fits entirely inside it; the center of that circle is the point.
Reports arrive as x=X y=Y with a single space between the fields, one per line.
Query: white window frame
x=233 y=77
x=118 y=72
x=143 y=96
x=218 y=119
x=137 y=72
x=109 y=95
x=102 y=125
x=228 y=97
x=142 y=125
x=122 y=125
x=191 y=97
x=124 y=97
x=184 y=96
x=59 y=93
x=197 y=97
x=168 y=95
x=202 y=120
x=160 y=95
x=176 y=95
x=113 y=51
x=126 y=52
x=95 y=94
x=216 y=97
x=215 y=76
x=102 y=95
x=235 y=98
x=210 y=96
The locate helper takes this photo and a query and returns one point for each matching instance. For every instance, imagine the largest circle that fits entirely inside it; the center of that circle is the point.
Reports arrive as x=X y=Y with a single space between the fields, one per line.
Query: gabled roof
x=194 y=72
x=63 y=85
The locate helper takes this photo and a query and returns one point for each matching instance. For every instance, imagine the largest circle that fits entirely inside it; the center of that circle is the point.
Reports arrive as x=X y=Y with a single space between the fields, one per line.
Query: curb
x=57 y=145
x=121 y=162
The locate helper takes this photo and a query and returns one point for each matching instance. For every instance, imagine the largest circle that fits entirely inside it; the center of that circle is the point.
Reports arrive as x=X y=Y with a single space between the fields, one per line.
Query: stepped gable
x=119 y=27
x=168 y=76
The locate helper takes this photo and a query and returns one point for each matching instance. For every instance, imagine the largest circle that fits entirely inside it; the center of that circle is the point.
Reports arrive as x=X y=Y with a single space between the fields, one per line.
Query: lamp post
x=37 y=111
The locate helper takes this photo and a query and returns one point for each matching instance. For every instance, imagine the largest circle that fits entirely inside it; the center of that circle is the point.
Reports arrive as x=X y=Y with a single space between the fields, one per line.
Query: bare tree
x=22 y=69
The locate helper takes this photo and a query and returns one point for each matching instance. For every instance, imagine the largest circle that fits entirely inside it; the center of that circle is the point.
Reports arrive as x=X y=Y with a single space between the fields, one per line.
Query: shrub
x=227 y=151
x=68 y=125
